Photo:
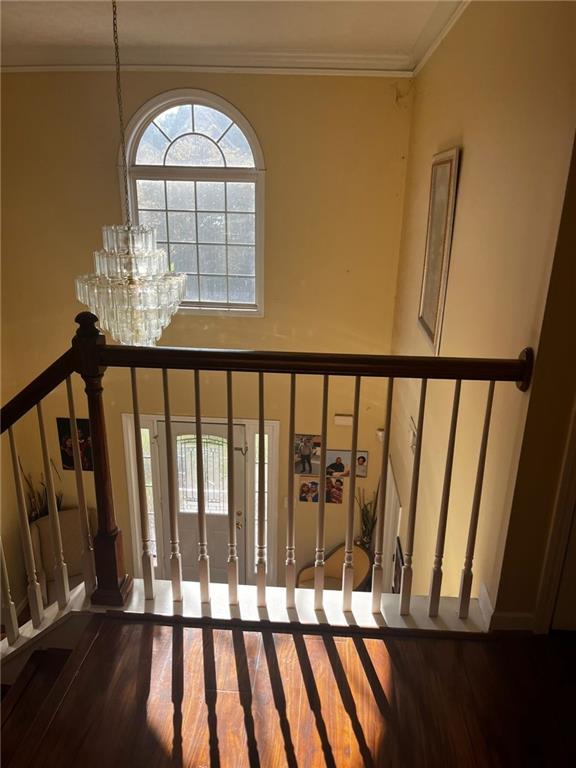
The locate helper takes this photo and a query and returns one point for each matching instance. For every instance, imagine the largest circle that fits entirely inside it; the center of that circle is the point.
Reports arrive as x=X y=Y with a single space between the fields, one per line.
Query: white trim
x=558 y=536
x=251 y=425
x=486 y=607
x=417 y=68
x=305 y=70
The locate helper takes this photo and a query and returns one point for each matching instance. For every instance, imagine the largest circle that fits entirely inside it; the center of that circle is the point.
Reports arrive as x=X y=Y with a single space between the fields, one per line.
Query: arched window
x=196 y=173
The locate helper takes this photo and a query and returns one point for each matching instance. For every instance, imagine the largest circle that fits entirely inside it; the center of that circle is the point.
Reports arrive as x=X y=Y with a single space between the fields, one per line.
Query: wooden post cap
x=86 y=325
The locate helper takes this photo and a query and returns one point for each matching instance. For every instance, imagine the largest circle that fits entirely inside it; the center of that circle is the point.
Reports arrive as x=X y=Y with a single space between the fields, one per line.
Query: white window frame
x=148 y=421
x=134 y=131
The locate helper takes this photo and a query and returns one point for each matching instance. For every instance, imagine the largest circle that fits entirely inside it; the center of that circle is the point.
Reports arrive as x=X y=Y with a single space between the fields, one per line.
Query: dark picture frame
x=441 y=209
x=65 y=442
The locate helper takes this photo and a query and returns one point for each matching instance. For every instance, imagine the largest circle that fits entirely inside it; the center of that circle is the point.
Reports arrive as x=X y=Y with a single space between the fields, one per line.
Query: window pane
x=211 y=228
x=194 y=150
x=182 y=227
x=183 y=258
x=242 y=290
x=210 y=122
x=152 y=147
x=210 y=195
x=215 y=461
x=147 y=471
x=145 y=433
x=212 y=259
x=241 y=260
x=241 y=196
x=213 y=289
x=241 y=228
x=180 y=195
x=154 y=219
x=256 y=494
x=236 y=148
x=191 y=288
x=150 y=194
x=176 y=121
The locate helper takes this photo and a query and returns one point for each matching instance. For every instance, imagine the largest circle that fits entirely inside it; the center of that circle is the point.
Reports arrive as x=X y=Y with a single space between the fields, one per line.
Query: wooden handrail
x=41 y=386
x=397 y=366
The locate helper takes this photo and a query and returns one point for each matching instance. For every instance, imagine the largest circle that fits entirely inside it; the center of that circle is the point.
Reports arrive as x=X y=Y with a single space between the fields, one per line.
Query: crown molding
x=427 y=54
x=249 y=62
x=226 y=60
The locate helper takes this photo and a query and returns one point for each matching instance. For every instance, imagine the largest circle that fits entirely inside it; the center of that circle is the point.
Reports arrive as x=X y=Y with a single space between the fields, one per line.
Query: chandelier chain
x=121 y=112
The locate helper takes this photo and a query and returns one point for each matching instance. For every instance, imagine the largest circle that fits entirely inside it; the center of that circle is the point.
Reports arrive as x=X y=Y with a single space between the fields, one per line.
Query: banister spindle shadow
x=313 y=697
x=279 y=696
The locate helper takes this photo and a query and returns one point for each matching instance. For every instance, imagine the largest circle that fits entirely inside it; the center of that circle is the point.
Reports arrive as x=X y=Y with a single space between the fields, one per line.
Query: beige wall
x=502 y=86
x=335 y=151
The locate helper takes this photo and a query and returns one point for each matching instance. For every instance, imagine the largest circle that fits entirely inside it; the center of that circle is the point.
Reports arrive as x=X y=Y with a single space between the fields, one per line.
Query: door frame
x=150 y=421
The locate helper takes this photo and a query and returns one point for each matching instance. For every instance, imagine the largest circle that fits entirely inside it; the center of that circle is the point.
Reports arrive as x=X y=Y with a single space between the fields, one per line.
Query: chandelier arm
x=121 y=112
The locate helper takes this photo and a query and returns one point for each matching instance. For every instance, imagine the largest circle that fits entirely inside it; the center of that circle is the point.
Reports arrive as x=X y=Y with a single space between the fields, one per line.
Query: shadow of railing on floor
x=347 y=698
x=313 y=697
x=245 y=693
x=279 y=696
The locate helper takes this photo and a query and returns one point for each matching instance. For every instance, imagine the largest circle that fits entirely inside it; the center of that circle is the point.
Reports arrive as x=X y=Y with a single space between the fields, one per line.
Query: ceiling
x=378 y=36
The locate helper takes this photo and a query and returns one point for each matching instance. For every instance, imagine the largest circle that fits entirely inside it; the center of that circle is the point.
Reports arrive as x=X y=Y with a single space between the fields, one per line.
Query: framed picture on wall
x=441 y=206
x=84 y=440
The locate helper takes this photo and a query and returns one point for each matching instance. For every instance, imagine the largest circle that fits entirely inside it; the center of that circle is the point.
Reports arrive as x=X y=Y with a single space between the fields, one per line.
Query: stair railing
x=105 y=574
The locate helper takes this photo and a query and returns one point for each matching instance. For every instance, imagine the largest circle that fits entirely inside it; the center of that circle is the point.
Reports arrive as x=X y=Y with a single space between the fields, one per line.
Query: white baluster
x=436 y=582
x=261 y=544
x=379 y=544
x=320 y=543
x=10 y=617
x=290 y=533
x=232 y=543
x=348 y=567
x=60 y=567
x=175 y=557
x=406 y=583
x=88 y=567
x=466 y=580
x=203 y=558
x=33 y=588
x=147 y=556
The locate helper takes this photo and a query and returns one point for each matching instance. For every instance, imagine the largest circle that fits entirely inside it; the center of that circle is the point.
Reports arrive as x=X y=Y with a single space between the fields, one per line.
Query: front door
x=215 y=457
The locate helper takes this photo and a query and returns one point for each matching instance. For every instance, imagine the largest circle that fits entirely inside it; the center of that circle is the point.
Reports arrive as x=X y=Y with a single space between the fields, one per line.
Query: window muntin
x=195 y=177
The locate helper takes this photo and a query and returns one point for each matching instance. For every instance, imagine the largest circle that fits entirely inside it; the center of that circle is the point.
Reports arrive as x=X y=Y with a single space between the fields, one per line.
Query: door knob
x=238 y=513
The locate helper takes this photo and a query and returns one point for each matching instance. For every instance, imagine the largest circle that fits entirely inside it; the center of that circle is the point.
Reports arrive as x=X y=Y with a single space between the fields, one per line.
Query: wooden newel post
x=113 y=583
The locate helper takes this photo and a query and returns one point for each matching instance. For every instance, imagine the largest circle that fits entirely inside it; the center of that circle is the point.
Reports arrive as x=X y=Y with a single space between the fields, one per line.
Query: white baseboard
x=486 y=607
x=512 y=620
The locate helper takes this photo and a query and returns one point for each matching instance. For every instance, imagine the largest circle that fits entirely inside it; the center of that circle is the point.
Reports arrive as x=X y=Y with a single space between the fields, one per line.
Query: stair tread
x=26 y=696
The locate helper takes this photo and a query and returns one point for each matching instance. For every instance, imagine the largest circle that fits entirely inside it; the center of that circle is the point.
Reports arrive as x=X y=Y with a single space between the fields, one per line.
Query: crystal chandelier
x=132 y=291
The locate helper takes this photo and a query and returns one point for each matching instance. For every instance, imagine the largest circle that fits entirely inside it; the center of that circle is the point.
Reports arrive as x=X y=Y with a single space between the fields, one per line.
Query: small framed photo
x=441 y=207
x=65 y=441
x=307 y=454
x=308 y=490
x=338 y=463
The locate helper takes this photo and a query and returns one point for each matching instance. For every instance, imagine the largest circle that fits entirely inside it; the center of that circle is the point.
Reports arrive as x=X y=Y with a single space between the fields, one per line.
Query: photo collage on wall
x=307 y=449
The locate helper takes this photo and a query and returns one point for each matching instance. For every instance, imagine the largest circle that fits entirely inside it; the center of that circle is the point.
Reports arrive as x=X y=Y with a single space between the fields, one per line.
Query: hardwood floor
x=143 y=694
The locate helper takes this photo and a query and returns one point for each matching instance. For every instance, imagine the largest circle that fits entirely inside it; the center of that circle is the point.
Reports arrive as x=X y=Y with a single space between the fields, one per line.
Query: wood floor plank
x=151 y=695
